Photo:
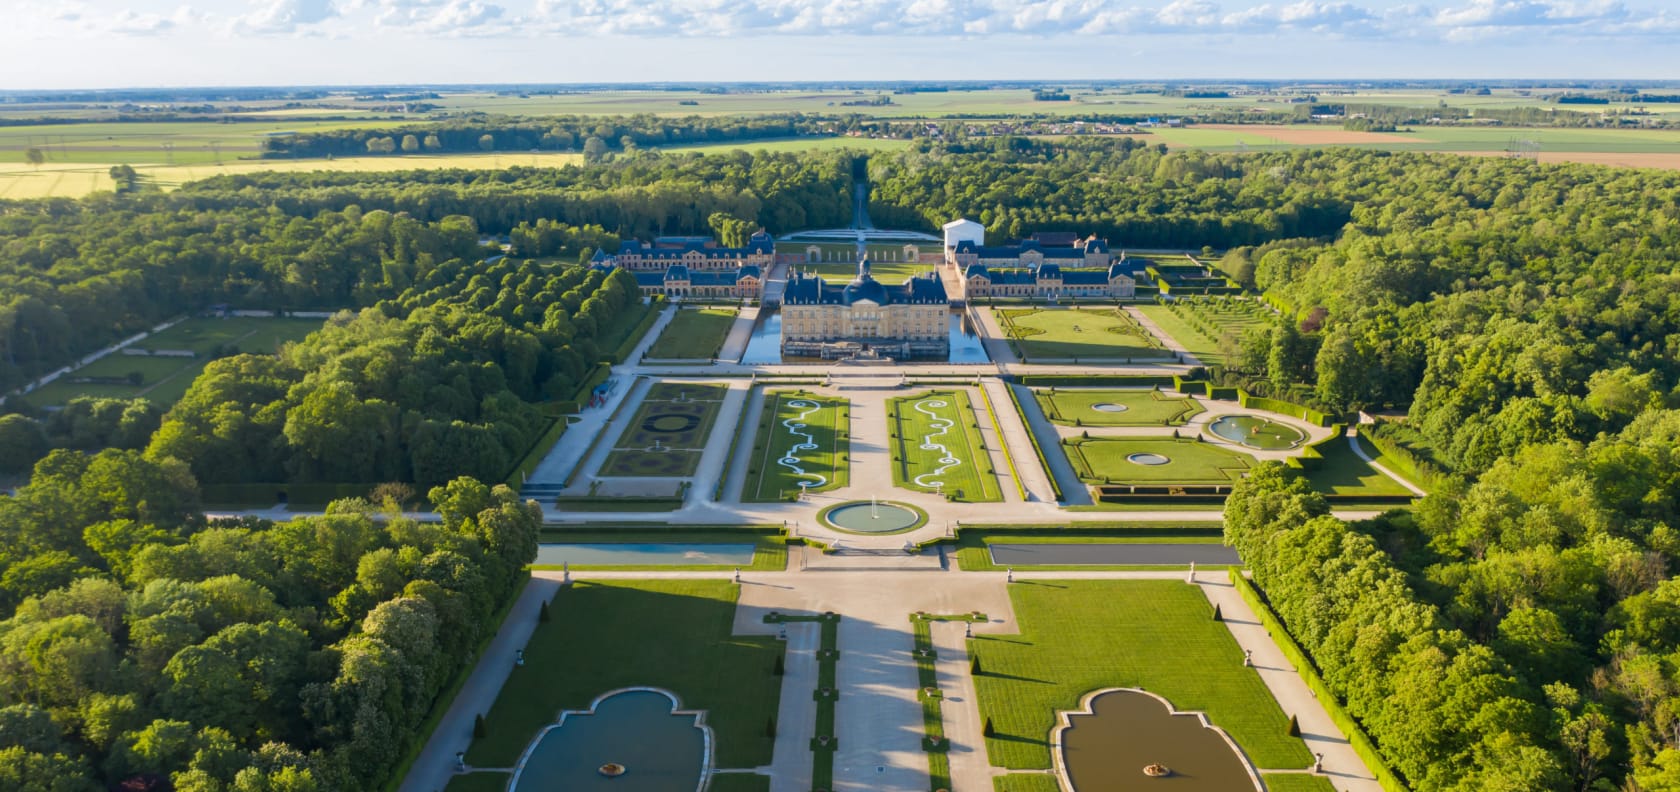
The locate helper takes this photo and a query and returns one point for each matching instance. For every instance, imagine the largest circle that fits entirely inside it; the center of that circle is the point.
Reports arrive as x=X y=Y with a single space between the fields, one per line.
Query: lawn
x=163 y=380
x=938 y=447
x=1342 y=472
x=694 y=334
x=1083 y=635
x=1026 y=782
x=883 y=271
x=801 y=438
x=1208 y=330
x=1291 y=782
x=1105 y=461
x=1121 y=407
x=671 y=634
x=1067 y=333
x=668 y=432
x=479 y=782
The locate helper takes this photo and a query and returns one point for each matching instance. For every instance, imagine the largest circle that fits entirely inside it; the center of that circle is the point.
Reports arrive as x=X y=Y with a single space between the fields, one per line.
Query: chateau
x=829 y=321
x=1049 y=266
x=694 y=267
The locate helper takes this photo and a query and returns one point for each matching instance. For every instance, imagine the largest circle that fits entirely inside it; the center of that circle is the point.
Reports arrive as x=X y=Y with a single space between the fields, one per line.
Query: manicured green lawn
x=883 y=271
x=674 y=417
x=1085 y=333
x=1105 y=460
x=694 y=334
x=1083 y=635
x=790 y=421
x=1202 y=328
x=956 y=459
x=672 y=634
x=165 y=379
x=1297 y=782
x=1343 y=473
x=1142 y=408
x=1025 y=782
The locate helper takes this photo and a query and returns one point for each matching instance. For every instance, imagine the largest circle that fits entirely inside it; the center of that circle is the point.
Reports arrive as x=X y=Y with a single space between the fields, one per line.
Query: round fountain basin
x=1149 y=459
x=877 y=518
x=1110 y=407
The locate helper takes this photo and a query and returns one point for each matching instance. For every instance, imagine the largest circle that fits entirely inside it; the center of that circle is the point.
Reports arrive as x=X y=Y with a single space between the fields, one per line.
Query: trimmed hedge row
x=655 y=306
x=1421 y=471
x=1311 y=458
x=1283 y=408
x=534 y=455
x=1357 y=738
x=1008 y=459
x=311 y=494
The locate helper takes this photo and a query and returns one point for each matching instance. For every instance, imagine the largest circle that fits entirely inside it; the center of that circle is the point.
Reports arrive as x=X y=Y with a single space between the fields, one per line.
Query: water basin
x=659 y=748
x=864 y=517
x=1256 y=432
x=618 y=553
x=1128 y=730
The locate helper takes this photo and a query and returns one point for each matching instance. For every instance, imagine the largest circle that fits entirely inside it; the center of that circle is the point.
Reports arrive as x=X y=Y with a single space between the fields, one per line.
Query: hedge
x=1311 y=458
x=538 y=450
x=312 y=494
x=1008 y=458
x=1419 y=471
x=1283 y=408
x=628 y=345
x=1357 y=738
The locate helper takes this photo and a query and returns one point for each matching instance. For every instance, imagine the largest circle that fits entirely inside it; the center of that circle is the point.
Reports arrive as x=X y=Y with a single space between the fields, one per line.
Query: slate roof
x=759 y=243
x=923 y=289
x=1072 y=252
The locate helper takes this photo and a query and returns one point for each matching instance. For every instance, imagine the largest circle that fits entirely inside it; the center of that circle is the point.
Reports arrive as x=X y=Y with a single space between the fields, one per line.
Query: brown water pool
x=1126 y=730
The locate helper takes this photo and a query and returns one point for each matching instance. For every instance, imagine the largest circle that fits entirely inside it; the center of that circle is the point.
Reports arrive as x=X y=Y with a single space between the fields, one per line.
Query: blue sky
x=117 y=43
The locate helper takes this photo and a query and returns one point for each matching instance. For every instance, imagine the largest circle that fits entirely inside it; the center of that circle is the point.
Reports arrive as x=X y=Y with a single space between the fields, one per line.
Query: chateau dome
x=865 y=287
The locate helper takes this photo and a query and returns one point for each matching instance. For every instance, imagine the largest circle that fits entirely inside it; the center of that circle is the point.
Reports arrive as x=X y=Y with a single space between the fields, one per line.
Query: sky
x=146 y=43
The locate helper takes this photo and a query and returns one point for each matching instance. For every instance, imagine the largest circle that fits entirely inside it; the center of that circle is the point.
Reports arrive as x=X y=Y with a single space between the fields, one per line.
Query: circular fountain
x=872 y=517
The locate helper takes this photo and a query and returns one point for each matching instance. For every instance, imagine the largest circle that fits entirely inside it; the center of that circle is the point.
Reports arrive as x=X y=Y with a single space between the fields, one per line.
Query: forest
x=593 y=135
x=143 y=647
x=82 y=274
x=1516 y=324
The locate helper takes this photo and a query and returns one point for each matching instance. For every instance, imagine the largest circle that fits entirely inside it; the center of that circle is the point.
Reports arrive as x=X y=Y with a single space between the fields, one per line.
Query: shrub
x=478 y=727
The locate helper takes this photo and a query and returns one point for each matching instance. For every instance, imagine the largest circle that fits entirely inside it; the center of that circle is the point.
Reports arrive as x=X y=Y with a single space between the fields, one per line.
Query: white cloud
x=284 y=16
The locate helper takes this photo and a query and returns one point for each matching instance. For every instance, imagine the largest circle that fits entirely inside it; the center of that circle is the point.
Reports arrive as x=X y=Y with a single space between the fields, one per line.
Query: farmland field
x=802 y=440
x=163 y=380
x=939 y=449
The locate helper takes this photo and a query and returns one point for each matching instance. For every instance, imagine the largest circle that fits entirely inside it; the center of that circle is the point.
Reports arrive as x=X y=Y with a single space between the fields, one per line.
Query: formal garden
x=801 y=444
x=668 y=432
x=1096 y=334
x=1210 y=328
x=1106 y=407
x=937 y=447
x=694 y=334
x=1155 y=461
x=673 y=635
x=1081 y=636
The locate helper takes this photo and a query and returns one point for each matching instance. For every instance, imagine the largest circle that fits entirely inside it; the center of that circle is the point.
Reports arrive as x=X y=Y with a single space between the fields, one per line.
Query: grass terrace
x=1209 y=329
x=694 y=334
x=1155 y=461
x=666 y=436
x=1041 y=334
x=1082 y=635
x=672 y=634
x=1116 y=407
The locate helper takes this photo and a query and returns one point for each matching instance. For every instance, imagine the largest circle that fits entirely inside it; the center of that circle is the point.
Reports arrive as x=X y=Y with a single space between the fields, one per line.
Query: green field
x=1083 y=635
x=1209 y=329
x=694 y=334
x=1297 y=782
x=1141 y=408
x=159 y=142
x=938 y=448
x=780 y=461
x=1342 y=472
x=1040 y=334
x=1104 y=461
x=671 y=634
x=163 y=380
x=794 y=145
x=666 y=436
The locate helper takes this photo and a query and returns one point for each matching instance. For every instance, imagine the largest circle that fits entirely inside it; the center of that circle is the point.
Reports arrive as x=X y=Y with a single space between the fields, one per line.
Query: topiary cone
x=778 y=670
x=988 y=730
x=1217 y=616
x=1294 y=727
x=974 y=666
x=478 y=727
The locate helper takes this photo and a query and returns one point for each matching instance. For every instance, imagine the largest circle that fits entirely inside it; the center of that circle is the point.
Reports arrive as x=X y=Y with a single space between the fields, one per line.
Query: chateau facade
x=865 y=317
x=694 y=268
x=1049 y=282
x=1049 y=266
